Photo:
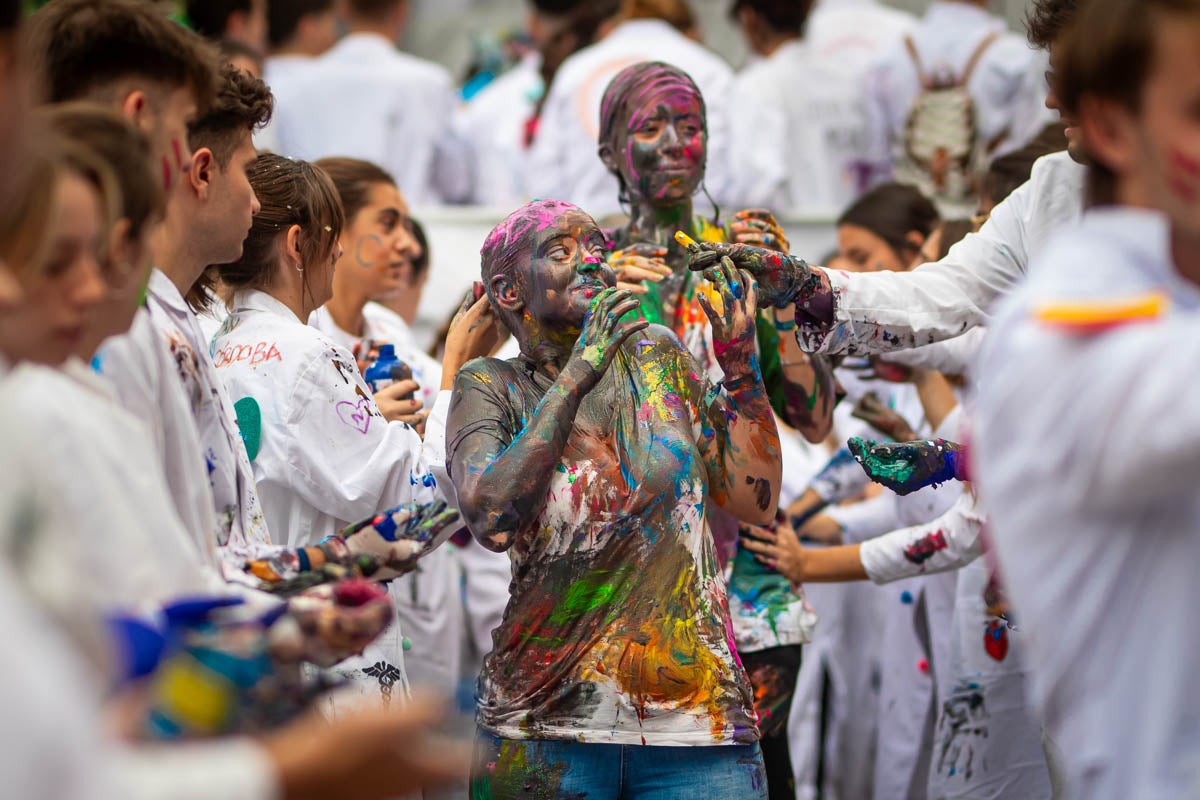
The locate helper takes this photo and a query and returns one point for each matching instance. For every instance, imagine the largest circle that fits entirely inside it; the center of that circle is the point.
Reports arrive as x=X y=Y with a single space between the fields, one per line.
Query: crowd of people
x=673 y=511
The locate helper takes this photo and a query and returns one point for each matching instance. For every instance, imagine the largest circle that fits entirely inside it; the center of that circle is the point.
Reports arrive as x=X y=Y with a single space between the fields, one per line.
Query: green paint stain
x=886 y=471
x=582 y=597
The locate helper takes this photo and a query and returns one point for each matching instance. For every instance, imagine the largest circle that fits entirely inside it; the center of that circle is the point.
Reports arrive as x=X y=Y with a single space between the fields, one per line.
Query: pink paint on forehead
x=529 y=218
x=669 y=89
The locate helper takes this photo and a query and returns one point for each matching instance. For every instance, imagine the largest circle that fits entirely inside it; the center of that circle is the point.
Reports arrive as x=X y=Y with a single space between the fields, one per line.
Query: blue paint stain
x=906 y=598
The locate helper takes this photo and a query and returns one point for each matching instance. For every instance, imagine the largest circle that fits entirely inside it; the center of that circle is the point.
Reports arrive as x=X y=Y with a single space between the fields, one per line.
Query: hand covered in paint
x=871 y=410
x=476 y=331
x=368 y=754
x=731 y=309
x=333 y=622
x=776 y=547
x=758 y=227
x=782 y=279
x=392 y=542
x=639 y=264
x=906 y=467
x=605 y=328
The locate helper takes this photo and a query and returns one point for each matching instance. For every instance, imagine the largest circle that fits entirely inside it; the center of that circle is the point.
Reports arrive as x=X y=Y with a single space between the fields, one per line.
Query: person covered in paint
x=654 y=140
x=1087 y=416
x=842 y=313
x=324 y=455
x=591 y=459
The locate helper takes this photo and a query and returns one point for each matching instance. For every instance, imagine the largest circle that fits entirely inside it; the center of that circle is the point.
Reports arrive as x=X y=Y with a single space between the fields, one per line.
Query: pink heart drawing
x=356 y=415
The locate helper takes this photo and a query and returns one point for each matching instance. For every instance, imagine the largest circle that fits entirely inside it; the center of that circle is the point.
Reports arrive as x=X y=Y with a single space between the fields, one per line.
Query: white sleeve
x=949 y=542
x=867 y=519
x=546 y=162
x=343 y=457
x=236 y=769
x=435 y=445
x=950 y=357
x=881 y=312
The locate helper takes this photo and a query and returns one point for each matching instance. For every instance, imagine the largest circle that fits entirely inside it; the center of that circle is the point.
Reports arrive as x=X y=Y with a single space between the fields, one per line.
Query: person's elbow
x=484 y=519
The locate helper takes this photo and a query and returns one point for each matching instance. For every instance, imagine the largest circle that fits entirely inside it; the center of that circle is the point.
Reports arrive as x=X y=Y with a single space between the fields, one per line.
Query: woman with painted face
x=653 y=137
x=591 y=458
x=323 y=454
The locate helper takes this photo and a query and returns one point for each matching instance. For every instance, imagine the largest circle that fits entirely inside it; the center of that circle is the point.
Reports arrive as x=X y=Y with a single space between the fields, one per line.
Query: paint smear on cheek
x=1183 y=178
x=166 y=170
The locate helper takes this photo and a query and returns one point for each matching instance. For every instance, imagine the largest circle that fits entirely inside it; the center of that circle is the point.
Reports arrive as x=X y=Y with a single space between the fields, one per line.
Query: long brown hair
x=292 y=192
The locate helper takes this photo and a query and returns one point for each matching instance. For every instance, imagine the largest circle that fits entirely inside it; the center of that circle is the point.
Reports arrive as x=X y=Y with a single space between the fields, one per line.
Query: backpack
x=942 y=151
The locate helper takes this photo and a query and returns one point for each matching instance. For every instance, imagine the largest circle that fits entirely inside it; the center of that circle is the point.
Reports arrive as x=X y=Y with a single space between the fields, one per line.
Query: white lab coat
x=281 y=73
x=327 y=457
x=366 y=99
x=494 y=123
x=1108 y=448
x=162 y=373
x=884 y=311
x=945 y=39
x=797 y=125
x=563 y=162
x=428 y=599
x=855 y=33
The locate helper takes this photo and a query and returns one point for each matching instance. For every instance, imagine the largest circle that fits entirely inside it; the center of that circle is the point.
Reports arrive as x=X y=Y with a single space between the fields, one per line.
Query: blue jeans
x=513 y=769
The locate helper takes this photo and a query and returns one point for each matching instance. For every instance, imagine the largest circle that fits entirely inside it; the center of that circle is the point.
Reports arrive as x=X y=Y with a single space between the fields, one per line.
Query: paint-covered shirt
x=766 y=611
x=618 y=630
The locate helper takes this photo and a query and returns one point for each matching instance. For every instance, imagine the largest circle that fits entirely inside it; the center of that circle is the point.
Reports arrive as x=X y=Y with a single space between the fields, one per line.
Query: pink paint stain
x=356 y=415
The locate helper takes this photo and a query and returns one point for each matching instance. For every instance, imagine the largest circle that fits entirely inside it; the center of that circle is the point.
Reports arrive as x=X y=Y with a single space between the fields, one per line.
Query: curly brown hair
x=1046 y=20
x=243 y=104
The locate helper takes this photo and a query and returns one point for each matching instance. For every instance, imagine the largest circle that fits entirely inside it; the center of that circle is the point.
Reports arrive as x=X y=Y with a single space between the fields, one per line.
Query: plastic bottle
x=386 y=370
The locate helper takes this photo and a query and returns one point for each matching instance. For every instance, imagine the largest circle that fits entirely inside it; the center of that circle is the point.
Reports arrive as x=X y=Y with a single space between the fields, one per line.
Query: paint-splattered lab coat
x=428 y=599
x=885 y=311
x=327 y=457
x=1088 y=415
x=163 y=373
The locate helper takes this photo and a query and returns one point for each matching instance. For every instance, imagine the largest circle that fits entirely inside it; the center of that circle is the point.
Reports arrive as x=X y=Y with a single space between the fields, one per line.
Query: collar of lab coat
x=1147 y=235
x=787 y=49
x=361 y=47
x=166 y=292
x=254 y=300
x=948 y=12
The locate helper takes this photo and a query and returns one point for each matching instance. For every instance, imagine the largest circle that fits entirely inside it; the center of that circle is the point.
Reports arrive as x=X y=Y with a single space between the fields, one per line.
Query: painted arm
x=741 y=442
x=501 y=485
x=906 y=467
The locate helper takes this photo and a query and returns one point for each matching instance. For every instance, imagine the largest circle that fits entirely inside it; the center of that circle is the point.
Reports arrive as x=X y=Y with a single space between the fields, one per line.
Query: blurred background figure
x=366 y=99
x=241 y=21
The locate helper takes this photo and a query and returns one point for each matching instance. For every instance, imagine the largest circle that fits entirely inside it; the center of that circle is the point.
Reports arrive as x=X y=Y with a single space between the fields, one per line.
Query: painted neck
x=177 y=254
x=548 y=350
x=657 y=222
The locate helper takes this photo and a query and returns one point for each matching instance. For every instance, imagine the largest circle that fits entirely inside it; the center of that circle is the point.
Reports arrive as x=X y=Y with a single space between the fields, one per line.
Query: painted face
x=663 y=148
x=232 y=206
x=1075 y=147
x=379 y=246
x=1162 y=139
x=59 y=295
x=567 y=269
x=860 y=250
x=168 y=134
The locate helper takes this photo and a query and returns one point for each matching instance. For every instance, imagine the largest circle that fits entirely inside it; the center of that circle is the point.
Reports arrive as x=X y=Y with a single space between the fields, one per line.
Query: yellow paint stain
x=1095 y=317
x=684 y=239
